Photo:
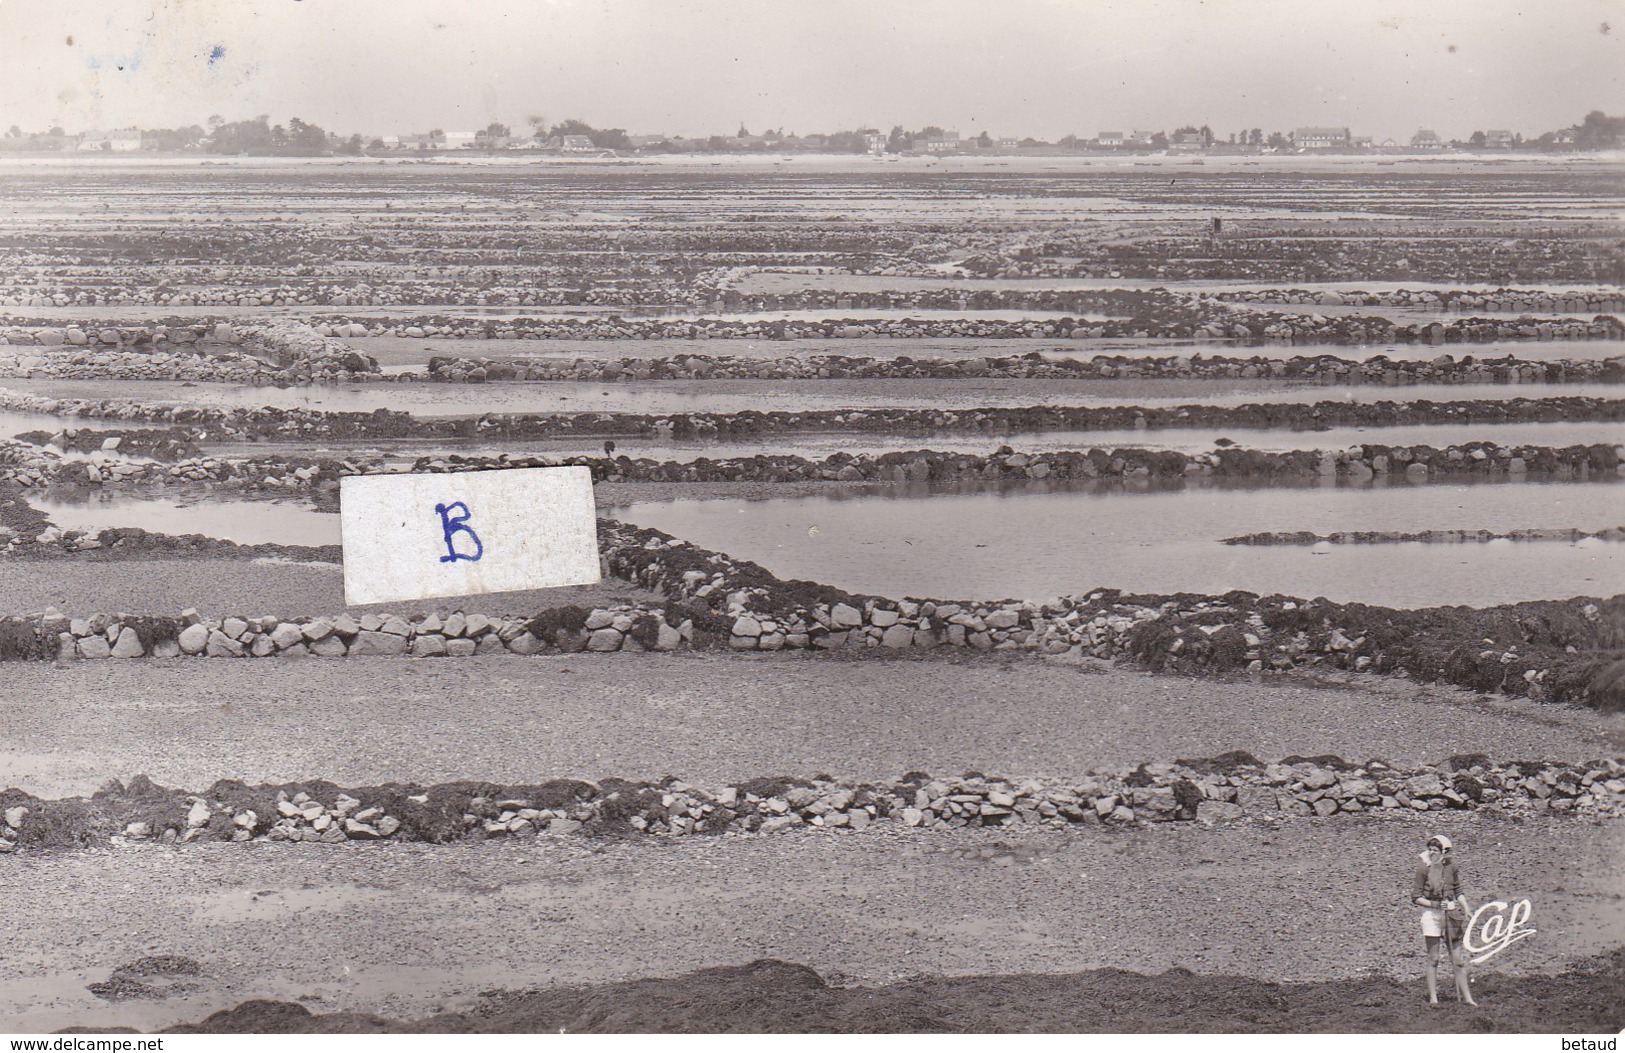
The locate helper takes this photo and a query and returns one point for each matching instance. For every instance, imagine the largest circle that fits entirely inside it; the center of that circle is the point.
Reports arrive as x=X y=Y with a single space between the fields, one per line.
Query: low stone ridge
x=1355 y=464
x=162 y=444
x=30 y=466
x=1560 y=651
x=1447 y=537
x=293 y=422
x=264 y=353
x=1324 y=369
x=1232 y=788
x=1514 y=301
x=1155 y=314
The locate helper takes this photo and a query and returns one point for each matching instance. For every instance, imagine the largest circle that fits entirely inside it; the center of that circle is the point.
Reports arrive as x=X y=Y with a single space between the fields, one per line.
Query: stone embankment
x=1548 y=650
x=1214 y=323
x=24 y=464
x=1356 y=464
x=1512 y=301
x=1232 y=788
x=270 y=422
x=1323 y=369
x=1576 y=256
x=1446 y=537
x=277 y=352
x=30 y=466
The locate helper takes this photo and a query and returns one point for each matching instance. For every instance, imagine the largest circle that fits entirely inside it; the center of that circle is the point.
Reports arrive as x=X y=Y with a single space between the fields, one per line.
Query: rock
x=197 y=816
x=845 y=616
x=16 y=815
x=128 y=645
x=317 y=629
x=378 y=643
x=1319 y=779
x=525 y=643
x=1426 y=785
x=286 y=635
x=234 y=627
x=882 y=618
x=604 y=639
x=558 y=827
x=1325 y=806
x=598 y=619
x=428 y=645
x=388 y=825
x=329 y=647
x=747 y=626
x=897 y=637
x=194 y=638
x=222 y=646
x=668 y=638
x=1003 y=619
x=94 y=647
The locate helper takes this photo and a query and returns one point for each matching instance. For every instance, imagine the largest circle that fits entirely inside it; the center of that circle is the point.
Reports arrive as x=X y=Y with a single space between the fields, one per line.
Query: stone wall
x=1546 y=650
x=262 y=353
x=1432 y=537
x=1318 y=369
x=1213 y=323
x=1512 y=301
x=1232 y=788
x=29 y=466
x=293 y=422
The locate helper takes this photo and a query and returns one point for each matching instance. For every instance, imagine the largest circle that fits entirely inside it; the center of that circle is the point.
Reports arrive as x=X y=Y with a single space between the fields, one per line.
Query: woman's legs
x=1462 y=967
x=1433 y=969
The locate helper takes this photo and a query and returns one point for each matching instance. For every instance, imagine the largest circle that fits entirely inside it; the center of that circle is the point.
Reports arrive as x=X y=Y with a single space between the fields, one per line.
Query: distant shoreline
x=864 y=162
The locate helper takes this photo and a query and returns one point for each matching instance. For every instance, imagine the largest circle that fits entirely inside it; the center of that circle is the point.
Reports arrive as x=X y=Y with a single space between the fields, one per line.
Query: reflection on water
x=245 y=522
x=15 y=423
x=1033 y=544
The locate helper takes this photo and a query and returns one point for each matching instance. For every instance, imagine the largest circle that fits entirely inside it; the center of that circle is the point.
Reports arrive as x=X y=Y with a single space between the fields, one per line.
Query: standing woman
x=1437 y=890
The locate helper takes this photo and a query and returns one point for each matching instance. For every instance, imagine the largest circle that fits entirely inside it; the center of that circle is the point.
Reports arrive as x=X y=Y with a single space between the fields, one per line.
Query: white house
x=125 y=140
x=1321 y=138
x=459 y=140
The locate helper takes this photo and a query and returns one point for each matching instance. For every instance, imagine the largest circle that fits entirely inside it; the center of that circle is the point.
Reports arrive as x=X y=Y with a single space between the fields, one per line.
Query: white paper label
x=412 y=537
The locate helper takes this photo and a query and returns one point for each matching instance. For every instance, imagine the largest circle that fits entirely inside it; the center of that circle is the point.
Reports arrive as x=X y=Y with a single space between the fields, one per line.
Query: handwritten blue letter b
x=452 y=525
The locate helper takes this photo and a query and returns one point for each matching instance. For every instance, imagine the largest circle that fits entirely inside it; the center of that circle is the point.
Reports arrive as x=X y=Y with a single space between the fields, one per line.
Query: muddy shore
x=396 y=930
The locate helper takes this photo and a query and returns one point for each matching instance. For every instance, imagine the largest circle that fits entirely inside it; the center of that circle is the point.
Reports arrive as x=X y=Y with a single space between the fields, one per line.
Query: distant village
x=259 y=137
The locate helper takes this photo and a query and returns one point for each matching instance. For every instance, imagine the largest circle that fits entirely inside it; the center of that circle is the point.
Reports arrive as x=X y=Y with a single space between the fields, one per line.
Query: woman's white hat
x=1440 y=840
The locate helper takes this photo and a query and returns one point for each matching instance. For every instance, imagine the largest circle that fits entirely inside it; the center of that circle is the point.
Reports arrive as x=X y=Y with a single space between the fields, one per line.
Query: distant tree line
x=258 y=137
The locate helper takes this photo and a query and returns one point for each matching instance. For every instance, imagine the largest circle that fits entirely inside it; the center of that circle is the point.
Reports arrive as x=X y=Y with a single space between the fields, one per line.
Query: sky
x=1041 y=68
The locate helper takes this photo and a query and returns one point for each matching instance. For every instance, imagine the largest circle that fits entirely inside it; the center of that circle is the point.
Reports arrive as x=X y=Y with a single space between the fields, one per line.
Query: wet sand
x=717 y=719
